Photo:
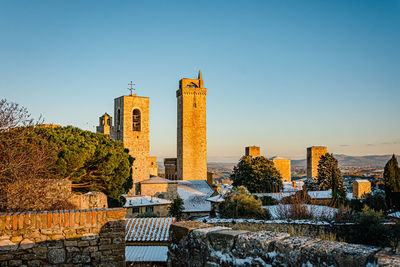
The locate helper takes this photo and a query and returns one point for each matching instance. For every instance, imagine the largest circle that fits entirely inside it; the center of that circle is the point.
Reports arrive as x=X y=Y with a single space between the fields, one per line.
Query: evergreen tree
x=330 y=177
x=240 y=204
x=92 y=161
x=258 y=175
x=391 y=176
x=176 y=208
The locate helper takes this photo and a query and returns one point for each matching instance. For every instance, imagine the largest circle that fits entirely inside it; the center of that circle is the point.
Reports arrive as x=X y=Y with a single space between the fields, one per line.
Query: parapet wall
x=63 y=238
x=200 y=244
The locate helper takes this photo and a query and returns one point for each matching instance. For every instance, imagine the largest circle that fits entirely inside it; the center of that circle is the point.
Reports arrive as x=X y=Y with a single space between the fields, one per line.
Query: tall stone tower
x=314 y=154
x=192 y=130
x=252 y=151
x=131 y=126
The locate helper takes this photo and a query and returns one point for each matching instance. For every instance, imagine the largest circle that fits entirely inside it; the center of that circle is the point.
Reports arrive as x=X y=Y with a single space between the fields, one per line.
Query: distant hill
x=377 y=161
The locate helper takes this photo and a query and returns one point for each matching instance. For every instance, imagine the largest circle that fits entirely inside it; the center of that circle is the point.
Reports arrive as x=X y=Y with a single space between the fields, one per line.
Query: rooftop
x=148 y=229
x=146 y=253
x=157 y=180
x=195 y=194
x=141 y=201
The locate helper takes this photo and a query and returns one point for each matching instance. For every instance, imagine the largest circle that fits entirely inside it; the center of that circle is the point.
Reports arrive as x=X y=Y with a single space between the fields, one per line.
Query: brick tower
x=131 y=126
x=314 y=154
x=192 y=130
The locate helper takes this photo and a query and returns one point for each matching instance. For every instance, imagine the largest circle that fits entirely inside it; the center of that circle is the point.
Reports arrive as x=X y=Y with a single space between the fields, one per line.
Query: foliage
x=370 y=230
x=176 y=208
x=375 y=201
x=93 y=162
x=258 y=175
x=391 y=176
x=148 y=214
x=240 y=204
x=268 y=201
x=356 y=204
x=26 y=163
x=330 y=177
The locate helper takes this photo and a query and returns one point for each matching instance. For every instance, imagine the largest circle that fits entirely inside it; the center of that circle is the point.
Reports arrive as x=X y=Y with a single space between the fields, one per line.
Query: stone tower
x=314 y=154
x=105 y=123
x=131 y=126
x=252 y=151
x=192 y=130
x=283 y=166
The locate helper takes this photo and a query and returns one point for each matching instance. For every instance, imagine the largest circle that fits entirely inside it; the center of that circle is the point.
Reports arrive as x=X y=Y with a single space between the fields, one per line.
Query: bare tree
x=26 y=162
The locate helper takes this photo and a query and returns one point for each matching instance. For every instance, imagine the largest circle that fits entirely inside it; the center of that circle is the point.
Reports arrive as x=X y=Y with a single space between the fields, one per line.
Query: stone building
x=252 y=151
x=132 y=127
x=314 y=154
x=361 y=187
x=159 y=187
x=192 y=135
x=170 y=168
x=105 y=125
x=283 y=166
x=153 y=166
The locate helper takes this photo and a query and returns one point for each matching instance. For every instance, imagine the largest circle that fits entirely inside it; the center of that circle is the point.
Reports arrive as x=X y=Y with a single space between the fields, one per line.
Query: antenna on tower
x=131 y=87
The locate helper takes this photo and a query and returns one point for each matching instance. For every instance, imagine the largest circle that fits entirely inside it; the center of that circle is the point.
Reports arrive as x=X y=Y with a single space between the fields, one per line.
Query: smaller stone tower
x=314 y=154
x=105 y=123
x=252 y=151
x=283 y=166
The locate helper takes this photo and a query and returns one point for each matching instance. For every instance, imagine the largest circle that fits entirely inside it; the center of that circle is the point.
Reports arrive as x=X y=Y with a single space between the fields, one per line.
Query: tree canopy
x=391 y=176
x=240 y=204
x=330 y=177
x=176 y=208
x=258 y=175
x=92 y=161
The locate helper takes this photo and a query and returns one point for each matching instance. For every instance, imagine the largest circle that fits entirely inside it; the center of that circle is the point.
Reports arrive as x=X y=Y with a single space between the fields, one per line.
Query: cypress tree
x=330 y=176
x=391 y=176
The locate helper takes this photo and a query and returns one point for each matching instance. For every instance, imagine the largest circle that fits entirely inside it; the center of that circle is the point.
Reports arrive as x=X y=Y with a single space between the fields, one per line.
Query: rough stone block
x=56 y=256
x=26 y=244
x=224 y=240
x=7 y=245
x=354 y=255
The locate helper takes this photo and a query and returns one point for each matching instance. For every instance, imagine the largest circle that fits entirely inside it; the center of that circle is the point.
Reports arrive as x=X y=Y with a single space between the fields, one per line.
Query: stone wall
x=90 y=200
x=63 y=238
x=200 y=244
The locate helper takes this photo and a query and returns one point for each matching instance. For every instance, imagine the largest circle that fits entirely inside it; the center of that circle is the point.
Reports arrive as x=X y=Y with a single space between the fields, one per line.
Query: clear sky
x=283 y=75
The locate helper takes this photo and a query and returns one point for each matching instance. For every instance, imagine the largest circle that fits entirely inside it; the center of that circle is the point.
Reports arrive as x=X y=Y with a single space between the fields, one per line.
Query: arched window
x=136 y=120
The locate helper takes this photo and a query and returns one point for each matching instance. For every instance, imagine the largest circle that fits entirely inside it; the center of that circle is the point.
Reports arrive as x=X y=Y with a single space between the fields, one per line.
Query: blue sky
x=283 y=75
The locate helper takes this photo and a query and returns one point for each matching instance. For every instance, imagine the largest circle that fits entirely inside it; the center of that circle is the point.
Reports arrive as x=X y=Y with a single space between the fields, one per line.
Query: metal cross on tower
x=131 y=87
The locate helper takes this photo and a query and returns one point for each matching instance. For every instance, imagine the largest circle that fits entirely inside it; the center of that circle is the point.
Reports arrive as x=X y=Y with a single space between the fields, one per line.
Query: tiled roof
x=195 y=194
x=148 y=229
x=146 y=253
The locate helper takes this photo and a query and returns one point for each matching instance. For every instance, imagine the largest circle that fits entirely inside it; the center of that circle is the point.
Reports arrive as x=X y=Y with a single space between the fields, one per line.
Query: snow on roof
x=146 y=253
x=288 y=186
x=217 y=198
x=395 y=215
x=362 y=181
x=277 y=157
x=142 y=201
x=195 y=194
x=157 y=180
x=320 y=194
x=148 y=229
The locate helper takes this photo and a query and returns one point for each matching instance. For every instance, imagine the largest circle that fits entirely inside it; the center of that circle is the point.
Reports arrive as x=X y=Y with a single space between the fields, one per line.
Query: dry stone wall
x=200 y=244
x=63 y=238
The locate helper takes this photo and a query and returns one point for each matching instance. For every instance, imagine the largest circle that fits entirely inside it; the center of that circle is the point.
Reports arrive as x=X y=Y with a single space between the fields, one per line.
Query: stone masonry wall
x=200 y=244
x=63 y=238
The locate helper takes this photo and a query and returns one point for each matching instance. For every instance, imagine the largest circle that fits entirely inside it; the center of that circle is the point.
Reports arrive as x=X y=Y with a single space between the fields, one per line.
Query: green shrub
x=268 y=201
x=240 y=204
x=376 y=201
x=370 y=230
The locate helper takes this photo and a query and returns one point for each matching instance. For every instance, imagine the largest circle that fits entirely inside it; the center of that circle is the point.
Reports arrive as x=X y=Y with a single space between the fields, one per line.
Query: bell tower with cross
x=132 y=127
